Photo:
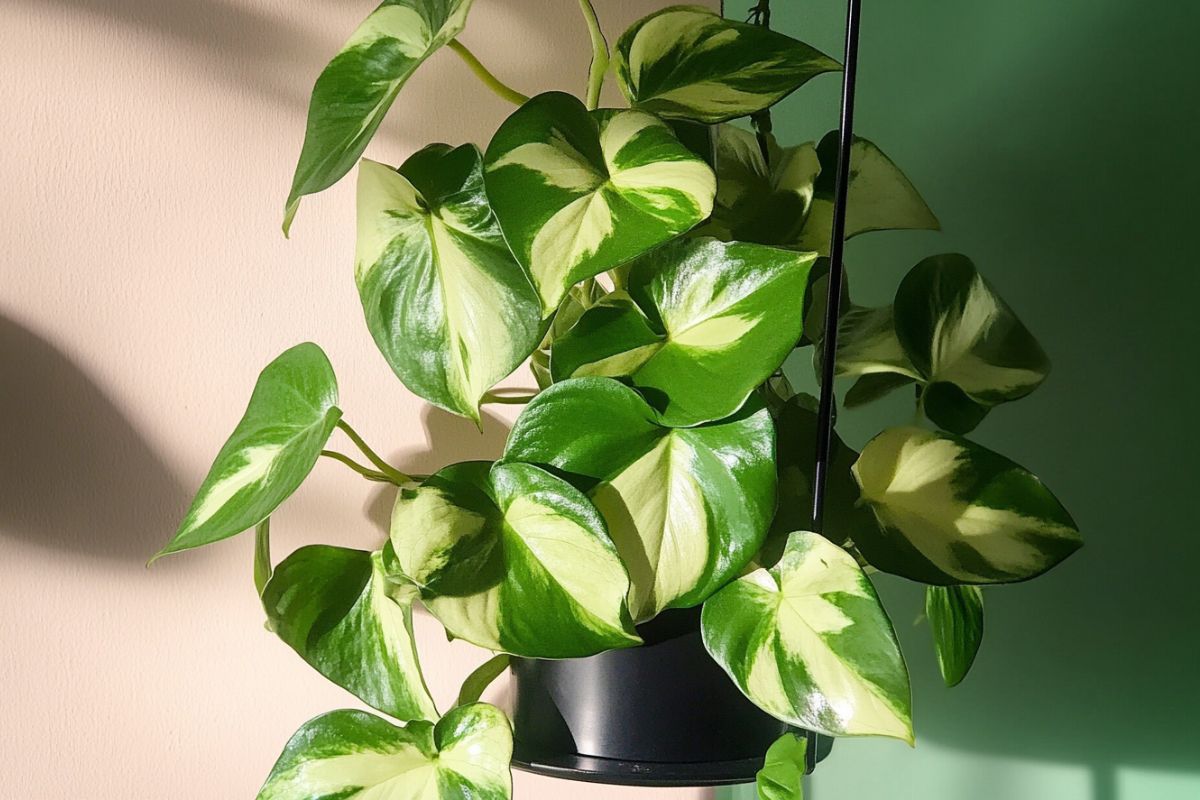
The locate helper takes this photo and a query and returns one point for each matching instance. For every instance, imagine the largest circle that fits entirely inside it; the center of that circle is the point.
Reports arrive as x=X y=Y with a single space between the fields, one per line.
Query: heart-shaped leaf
x=782 y=774
x=451 y=310
x=705 y=322
x=686 y=507
x=956 y=616
x=956 y=330
x=955 y=512
x=290 y=417
x=336 y=608
x=810 y=644
x=686 y=61
x=353 y=755
x=356 y=89
x=512 y=558
x=578 y=192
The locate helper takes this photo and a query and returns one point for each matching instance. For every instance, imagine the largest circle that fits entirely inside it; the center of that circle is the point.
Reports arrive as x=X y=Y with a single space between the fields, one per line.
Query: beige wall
x=145 y=152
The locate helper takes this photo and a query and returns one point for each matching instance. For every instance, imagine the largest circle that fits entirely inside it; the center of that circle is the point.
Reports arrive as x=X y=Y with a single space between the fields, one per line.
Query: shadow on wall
x=74 y=473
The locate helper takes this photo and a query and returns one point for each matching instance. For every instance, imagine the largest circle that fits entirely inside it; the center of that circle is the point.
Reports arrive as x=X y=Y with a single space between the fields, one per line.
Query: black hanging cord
x=825 y=410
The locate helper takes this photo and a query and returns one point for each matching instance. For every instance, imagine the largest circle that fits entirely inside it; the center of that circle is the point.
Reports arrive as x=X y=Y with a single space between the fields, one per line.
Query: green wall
x=1056 y=141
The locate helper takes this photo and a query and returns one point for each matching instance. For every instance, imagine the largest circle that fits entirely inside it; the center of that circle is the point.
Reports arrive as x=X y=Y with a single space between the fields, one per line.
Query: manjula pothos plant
x=656 y=265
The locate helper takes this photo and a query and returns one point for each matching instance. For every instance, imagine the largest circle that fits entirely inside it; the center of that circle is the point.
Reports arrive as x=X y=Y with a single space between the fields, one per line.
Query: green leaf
x=353 y=755
x=956 y=330
x=955 y=512
x=291 y=415
x=686 y=61
x=451 y=310
x=956 y=616
x=336 y=608
x=482 y=677
x=686 y=507
x=514 y=559
x=879 y=198
x=580 y=192
x=810 y=644
x=704 y=323
x=782 y=774
x=356 y=89
x=580 y=298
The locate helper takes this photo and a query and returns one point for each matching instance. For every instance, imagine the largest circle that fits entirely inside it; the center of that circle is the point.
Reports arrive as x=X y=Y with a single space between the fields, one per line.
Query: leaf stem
x=507 y=399
x=599 y=66
x=366 y=472
x=391 y=473
x=481 y=678
x=501 y=89
x=262 y=555
x=760 y=15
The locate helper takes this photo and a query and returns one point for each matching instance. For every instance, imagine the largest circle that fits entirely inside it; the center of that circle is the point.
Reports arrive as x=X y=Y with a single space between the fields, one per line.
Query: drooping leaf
x=956 y=330
x=514 y=559
x=686 y=507
x=450 y=308
x=956 y=616
x=291 y=415
x=687 y=61
x=580 y=192
x=356 y=89
x=704 y=323
x=337 y=609
x=810 y=644
x=782 y=774
x=952 y=511
x=353 y=755
x=879 y=197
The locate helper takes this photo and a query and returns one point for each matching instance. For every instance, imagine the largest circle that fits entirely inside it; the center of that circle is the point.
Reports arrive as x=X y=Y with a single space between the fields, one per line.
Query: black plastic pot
x=663 y=714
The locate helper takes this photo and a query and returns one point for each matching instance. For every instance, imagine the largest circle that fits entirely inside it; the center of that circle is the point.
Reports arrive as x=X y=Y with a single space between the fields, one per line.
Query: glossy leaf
x=353 y=755
x=355 y=91
x=703 y=324
x=782 y=774
x=952 y=511
x=956 y=616
x=449 y=307
x=686 y=61
x=291 y=415
x=956 y=330
x=686 y=507
x=810 y=644
x=580 y=192
x=514 y=559
x=337 y=609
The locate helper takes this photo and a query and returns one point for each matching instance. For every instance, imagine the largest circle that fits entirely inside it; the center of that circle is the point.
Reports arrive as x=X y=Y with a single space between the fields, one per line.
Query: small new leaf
x=782 y=774
x=956 y=616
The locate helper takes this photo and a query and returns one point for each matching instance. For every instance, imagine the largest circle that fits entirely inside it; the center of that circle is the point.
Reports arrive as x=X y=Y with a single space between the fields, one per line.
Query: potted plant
x=642 y=553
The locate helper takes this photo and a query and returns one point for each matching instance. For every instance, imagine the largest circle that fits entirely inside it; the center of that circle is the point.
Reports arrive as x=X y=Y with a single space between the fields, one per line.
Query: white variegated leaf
x=337 y=609
x=486 y=544
x=952 y=511
x=810 y=644
x=688 y=62
x=450 y=309
x=352 y=755
x=578 y=192
x=956 y=616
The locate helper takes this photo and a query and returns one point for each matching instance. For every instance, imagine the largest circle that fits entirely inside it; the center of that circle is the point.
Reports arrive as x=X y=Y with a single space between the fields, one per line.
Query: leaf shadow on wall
x=75 y=474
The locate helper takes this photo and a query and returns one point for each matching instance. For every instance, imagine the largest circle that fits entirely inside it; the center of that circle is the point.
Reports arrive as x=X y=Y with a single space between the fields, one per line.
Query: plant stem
x=504 y=91
x=599 y=66
x=367 y=473
x=391 y=473
x=507 y=399
x=760 y=15
x=262 y=555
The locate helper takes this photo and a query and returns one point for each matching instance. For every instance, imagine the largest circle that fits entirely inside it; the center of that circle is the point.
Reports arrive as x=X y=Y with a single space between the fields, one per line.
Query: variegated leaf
x=488 y=544
x=353 y=755
x=337 y=609
x=964 y=340
x=578 y=300
x=291 y=415
x=704 y=323
x=956 y=616
x=686 y=507
x=810 y=644
x=955 y=512
x=688 y=62
x=356 y=89
x=451 y=310
x=580 y=192
x=782 y=774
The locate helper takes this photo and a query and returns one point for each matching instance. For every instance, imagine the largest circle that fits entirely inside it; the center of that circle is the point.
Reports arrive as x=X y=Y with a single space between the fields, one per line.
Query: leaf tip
x=289 y=214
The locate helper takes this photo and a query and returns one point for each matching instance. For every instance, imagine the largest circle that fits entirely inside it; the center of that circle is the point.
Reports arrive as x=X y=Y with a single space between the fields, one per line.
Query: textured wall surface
x=145 y=152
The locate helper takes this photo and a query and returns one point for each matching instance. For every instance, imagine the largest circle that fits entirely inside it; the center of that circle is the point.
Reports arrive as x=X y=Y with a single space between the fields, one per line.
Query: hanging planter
x=671 y=555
